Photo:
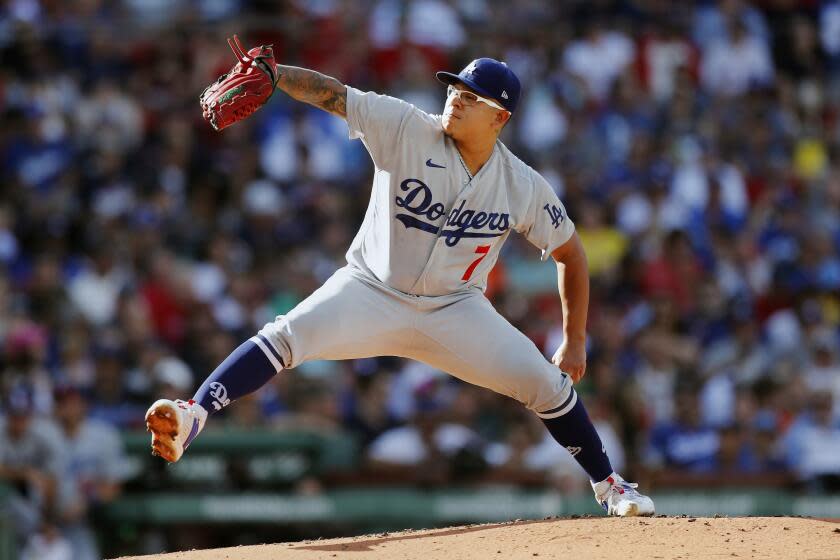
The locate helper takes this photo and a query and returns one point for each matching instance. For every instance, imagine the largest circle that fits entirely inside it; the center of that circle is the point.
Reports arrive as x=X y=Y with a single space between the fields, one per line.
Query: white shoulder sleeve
x=378 y=120
x=549 y=226
x=385 y=123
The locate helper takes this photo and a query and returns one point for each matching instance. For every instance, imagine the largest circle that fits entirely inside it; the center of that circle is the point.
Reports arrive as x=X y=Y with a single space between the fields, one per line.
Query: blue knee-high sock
x=244 y=371
x=575 y=432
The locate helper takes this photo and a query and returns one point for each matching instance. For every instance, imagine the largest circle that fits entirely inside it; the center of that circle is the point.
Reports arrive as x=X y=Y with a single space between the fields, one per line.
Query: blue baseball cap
x=490 y=78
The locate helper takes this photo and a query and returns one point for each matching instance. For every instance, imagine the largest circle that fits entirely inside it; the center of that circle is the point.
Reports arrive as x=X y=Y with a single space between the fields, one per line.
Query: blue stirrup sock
x=245 y=370
x=575 y=432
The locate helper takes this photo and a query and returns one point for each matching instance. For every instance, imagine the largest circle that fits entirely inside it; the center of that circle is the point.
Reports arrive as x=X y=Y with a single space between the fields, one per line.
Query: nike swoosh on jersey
x=430 y=164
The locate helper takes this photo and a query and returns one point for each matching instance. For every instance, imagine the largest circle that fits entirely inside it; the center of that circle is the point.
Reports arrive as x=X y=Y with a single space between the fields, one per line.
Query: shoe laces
x=186 y=405
x=621 y=486
x=626 y=486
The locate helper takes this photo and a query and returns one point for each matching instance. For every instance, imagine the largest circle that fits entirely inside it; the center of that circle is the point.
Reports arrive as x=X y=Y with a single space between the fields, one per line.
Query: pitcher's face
x=468 y=115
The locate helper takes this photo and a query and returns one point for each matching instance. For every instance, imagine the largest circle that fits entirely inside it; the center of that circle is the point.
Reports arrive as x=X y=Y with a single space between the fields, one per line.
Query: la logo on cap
x=471 y=68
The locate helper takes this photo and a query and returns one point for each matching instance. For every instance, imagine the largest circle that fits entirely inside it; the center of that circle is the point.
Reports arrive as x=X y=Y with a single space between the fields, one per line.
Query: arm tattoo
x=314 y=88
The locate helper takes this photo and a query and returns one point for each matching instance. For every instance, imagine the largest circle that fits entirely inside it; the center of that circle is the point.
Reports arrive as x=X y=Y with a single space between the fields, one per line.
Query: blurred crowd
x=696 y=145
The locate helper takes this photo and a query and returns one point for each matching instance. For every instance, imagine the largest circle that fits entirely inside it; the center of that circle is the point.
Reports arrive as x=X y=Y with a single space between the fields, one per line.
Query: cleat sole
x=161 y=422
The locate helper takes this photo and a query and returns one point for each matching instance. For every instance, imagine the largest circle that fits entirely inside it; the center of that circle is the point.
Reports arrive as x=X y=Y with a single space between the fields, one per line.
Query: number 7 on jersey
x=480 y=250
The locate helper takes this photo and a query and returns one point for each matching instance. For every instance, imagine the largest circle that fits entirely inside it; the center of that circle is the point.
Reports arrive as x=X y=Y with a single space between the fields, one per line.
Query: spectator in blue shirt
x=685 y=443
x=812 y=445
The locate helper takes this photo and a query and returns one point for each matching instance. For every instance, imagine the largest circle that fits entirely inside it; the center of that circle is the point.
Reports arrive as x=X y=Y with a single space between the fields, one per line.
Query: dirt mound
x=663 y=538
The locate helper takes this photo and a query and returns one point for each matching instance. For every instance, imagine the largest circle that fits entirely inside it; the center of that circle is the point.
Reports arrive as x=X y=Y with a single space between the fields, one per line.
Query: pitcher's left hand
x=571 y=358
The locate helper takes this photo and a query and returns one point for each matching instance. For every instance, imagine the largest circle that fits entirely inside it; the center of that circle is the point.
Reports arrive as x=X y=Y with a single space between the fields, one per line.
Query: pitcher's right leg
x=347 y=317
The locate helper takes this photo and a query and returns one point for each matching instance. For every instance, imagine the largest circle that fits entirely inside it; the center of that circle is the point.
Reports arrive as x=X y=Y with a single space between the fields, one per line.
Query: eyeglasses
x=469 y=98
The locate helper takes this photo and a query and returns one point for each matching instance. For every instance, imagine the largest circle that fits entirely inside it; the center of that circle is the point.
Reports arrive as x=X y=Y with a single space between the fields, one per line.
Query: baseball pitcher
x=446 y=195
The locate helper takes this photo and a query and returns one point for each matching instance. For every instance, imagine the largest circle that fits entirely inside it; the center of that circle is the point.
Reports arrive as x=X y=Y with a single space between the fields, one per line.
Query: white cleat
x=620 y=498
x=174 y=424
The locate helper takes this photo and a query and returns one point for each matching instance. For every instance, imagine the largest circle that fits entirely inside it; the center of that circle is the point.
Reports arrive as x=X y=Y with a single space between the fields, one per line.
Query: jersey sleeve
x=379 y=121
x=549 y=226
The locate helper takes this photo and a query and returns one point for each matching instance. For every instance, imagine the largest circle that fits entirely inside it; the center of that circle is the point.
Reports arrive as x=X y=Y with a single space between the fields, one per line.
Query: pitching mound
x=667 y=538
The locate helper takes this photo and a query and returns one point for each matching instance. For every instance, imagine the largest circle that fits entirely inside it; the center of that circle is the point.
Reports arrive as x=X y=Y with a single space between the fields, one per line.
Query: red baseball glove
x=243 y=90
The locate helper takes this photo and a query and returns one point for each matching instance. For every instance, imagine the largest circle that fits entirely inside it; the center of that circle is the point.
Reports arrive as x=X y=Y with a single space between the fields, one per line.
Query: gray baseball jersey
x=429 y=229
x=419 y=263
